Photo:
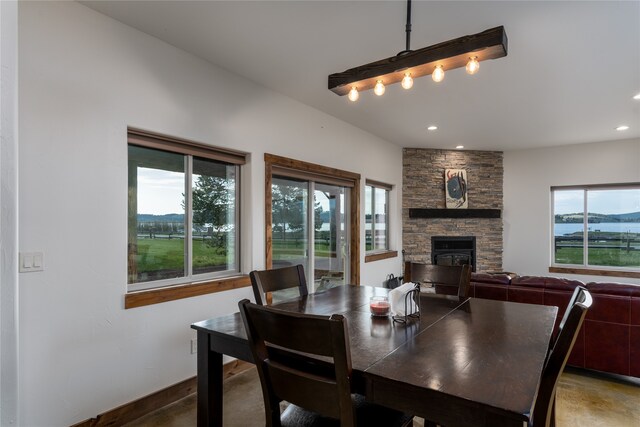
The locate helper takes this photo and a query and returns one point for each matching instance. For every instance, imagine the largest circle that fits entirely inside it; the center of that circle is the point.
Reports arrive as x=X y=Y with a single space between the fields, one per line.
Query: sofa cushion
x=529 y=295
x=498 y=279
x=610 y=308
x=532 y=281
x=613 y=288
x=560 y=283
x=546 y=282
x=607 y=346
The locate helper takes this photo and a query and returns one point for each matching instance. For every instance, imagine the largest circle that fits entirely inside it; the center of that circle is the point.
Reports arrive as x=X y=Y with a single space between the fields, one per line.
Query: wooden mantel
x=454 y=213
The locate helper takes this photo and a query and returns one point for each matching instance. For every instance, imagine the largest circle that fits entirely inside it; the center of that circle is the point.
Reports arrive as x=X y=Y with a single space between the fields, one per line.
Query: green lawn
x=155 y=255
x=297 y=248
x=168 y=254
x=606 y=248
x=599 y=257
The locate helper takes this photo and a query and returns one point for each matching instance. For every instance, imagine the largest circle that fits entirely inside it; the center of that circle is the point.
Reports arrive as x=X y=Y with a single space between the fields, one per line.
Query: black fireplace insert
x=453 y=250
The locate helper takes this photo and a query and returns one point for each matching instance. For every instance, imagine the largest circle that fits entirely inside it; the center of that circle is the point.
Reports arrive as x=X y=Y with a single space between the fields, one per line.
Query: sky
x=599 y=201
x=160 y=192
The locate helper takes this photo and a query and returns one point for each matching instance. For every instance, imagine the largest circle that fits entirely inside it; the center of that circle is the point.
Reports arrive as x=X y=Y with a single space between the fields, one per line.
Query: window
x=376 y=228
x=312 y=218
x=597 y=226
x=183 y=212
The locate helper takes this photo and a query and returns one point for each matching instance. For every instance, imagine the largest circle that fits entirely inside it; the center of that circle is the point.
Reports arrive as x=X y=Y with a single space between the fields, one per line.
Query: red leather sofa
x=609 y=340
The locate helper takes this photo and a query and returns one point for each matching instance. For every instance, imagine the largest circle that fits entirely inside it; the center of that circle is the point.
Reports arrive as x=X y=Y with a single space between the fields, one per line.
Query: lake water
x=561 y=229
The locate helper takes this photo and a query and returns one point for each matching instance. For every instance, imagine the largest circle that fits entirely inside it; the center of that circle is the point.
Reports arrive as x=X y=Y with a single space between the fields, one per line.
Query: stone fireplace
x=423 y=189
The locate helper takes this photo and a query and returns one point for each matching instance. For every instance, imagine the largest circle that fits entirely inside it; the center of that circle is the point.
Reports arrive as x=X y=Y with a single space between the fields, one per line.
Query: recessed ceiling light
x=432 y=127
x=623 y=127
x=459 y=147
x=637 y=96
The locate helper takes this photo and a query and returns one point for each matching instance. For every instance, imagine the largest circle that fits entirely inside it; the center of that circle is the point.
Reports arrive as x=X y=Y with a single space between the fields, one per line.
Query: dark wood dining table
x=464 y=362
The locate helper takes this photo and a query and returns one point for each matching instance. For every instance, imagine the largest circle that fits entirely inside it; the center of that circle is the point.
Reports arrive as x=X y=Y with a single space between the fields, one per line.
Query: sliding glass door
x=331 y=236
x=289 y=227
x=312 y=231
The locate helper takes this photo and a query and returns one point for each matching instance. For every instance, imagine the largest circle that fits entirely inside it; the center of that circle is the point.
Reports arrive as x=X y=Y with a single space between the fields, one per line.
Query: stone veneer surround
x=423 y=187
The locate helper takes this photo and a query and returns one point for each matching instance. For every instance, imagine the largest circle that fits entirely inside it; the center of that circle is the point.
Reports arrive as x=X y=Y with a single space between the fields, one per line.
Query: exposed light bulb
x=636 y=97
x=473 y=65
x=379 y=89
x=432 y=127
x=623 y=127
x=438 y=74
x=407 y=81
x=459 y=147
x=353 y=94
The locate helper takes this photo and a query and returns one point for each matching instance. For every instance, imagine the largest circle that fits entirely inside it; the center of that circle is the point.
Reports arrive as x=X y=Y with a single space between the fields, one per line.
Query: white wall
x=528 y=176
x=83 y=79
x=8 y=213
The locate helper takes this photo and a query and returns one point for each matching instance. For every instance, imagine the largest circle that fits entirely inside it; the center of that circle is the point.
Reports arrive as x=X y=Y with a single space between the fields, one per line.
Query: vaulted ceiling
x=570 y=75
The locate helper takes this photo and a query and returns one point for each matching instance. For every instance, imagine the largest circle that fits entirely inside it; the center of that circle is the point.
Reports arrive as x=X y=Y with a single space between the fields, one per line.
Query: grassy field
x=599 y=256
x=605 y=249
x=297 y=248
x=168 y=254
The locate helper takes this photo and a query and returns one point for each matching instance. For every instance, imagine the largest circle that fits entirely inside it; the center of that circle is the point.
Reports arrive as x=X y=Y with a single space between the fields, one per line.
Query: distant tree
x=288 y=210
x=287 y=206
x=317 y=217
x=213 y=201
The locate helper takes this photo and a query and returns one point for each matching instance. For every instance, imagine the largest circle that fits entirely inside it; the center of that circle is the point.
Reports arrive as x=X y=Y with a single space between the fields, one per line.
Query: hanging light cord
x=407 y=30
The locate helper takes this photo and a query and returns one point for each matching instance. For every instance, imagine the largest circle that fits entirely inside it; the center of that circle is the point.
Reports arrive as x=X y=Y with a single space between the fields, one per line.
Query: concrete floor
x=583 y=400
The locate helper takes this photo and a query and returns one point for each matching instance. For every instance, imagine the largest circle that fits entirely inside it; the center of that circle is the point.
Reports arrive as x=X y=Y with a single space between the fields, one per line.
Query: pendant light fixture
x=467 y=51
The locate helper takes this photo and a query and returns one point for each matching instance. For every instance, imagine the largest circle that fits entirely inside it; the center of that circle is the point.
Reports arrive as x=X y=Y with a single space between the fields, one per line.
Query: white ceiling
x=569 y=77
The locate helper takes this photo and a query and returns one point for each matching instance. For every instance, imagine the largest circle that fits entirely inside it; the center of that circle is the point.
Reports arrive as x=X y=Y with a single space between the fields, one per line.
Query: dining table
x=463 y=362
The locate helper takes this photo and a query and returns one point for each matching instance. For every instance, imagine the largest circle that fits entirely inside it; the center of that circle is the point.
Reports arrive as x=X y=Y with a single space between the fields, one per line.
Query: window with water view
x=597 y=226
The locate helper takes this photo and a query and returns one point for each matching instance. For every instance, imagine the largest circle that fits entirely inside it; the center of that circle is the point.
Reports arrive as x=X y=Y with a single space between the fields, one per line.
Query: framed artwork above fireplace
x=455 y=185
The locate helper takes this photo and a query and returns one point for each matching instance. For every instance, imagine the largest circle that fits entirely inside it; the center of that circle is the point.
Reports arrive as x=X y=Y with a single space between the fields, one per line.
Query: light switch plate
x=31 y=261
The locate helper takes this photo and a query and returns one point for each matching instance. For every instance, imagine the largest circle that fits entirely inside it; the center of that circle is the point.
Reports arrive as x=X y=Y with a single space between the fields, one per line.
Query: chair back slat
x=304 y=390
x=267 y=281
x=557 y=359
x=447 y=279
x=294 y=331
x=301 y=358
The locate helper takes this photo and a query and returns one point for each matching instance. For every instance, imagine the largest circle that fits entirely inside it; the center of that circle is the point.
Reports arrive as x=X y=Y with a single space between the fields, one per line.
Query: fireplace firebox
x=453 y=250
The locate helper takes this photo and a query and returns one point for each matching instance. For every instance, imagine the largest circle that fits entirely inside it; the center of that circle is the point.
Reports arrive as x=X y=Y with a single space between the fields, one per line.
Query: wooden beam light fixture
x=467 y=51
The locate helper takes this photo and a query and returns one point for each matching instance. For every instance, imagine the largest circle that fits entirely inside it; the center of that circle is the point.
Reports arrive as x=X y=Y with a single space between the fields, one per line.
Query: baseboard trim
x=133 y=410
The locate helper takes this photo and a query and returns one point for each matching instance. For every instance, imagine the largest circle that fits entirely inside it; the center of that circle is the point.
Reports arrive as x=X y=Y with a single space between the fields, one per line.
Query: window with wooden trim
x=376 y=211
x=183 y=215
x=312 y=218
x=596 y=227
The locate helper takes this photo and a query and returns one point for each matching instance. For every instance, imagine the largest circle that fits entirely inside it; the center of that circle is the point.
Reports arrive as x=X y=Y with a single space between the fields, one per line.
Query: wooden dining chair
x=306 y=360
x=265 y=282
x=544 y=407
x=446 y=279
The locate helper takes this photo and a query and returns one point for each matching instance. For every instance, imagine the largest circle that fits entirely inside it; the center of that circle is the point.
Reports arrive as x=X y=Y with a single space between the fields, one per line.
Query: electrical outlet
x=194 y=346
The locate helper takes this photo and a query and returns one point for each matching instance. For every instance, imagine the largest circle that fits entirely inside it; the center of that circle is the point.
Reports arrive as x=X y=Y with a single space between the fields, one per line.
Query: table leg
x=209 y=383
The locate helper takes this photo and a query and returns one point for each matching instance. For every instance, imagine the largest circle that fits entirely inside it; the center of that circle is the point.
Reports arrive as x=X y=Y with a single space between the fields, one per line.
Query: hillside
x=595 y=218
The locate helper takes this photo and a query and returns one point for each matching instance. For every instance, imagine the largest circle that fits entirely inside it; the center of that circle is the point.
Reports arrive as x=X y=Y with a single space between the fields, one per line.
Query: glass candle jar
x=379 y=306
